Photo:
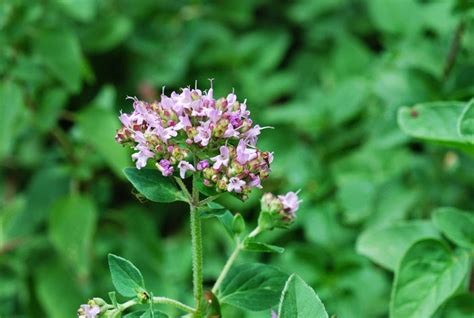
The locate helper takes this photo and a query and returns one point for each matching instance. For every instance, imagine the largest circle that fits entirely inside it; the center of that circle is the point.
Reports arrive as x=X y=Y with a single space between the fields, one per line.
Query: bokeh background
x=329 y=75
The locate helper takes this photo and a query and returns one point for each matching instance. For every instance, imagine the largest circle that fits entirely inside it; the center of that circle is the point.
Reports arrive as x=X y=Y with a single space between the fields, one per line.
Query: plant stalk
x=227 y=267
x=196 y=243
x=232 y=259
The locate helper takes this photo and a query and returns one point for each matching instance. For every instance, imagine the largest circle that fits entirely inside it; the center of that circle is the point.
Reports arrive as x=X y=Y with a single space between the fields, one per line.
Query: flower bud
x=143 y=297
x=89 y=310
x=278 y=211
x=270 y=203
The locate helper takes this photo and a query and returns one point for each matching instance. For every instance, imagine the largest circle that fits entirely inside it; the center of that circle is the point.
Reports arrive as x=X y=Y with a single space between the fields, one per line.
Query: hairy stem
x=196 y=242
x=227 y=267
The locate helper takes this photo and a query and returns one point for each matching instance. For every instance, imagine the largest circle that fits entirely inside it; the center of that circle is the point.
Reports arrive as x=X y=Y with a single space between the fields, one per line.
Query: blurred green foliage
x=328 y=75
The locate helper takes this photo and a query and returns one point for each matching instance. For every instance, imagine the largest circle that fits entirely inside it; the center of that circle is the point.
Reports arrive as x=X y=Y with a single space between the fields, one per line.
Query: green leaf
x=386 y=245
x=153 y=185
x=226 y=220
x=457 y=225
x=98 y=127
x=252 y=286
x=436 y=121
x=82 y=10
x=254 y=246
x=127 y=279
x=73 y=242
x=11 y=108
x=113 y=298
x=61 y=53
x=107 y=33
x=395 y=16
x=356 y=197
x=212 y=209
x=428 y=274
x=46 y=186
x=298 y=300
x=56 y=289
x=459 y=306
x=466 y=122
x=52 y=103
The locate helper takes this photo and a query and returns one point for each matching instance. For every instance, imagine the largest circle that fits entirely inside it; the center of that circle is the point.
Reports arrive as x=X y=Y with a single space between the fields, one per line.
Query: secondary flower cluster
x=89 y=310
x=194 y=132
x=282 y=207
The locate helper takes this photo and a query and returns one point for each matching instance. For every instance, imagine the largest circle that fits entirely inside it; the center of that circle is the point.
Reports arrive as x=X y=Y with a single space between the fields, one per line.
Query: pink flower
x=125 y=119
x=222 y=159
x=164 y=133
x=142 y=155
x=230 y=132
x=165 y=167
x=214 y=115
x=235 y=184
x=204 y=134
x=252 y=134
x=231 y=98
x=290 y=202
x=184 y=121
x=183 y=167
x=244 y=154
x=255 y=182
x=203 y=164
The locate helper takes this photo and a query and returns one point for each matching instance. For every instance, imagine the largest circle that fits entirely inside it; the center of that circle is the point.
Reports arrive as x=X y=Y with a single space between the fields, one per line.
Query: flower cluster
x=283 y=207
x=192 y=132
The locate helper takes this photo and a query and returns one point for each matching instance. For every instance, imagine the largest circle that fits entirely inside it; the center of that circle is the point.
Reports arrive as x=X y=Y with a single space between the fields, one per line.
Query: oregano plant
x=192 y=147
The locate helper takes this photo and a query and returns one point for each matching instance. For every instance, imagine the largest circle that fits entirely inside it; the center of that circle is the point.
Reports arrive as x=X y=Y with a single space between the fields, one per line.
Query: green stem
x=232 y=259
x=184 y=189
x=227 y=267
x=196 y=242
x=159 y=300
x=255 y=232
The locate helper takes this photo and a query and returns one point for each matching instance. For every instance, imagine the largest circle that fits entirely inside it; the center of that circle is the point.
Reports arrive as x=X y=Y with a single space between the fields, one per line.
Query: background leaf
x=437 y=121
x=428 y=274
x=466 y=122
x=73 y=241
x=11 y=111
x=386 y=245
x=61 y=53
x=457 y=225
x=100 y=124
